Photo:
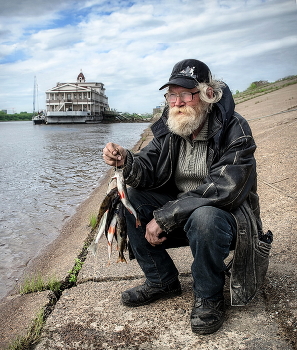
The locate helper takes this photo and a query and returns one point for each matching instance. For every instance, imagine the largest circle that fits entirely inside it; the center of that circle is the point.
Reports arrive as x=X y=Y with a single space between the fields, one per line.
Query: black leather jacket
x=230 y=185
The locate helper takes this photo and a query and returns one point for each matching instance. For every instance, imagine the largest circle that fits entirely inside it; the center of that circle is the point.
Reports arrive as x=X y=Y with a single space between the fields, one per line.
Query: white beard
x=190 y=120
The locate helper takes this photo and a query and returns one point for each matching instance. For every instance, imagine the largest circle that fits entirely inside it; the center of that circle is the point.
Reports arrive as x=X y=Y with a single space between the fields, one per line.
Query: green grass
x=75 y=270
x=37 y=284
x=32 y=336
x=260 y=88
x=93 y=221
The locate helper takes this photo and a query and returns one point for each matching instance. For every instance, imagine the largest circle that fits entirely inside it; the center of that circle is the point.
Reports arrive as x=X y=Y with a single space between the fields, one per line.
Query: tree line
x=22 y=116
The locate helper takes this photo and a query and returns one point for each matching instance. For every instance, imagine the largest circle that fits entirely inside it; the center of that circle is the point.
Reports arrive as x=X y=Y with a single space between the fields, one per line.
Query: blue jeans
x=210 y=232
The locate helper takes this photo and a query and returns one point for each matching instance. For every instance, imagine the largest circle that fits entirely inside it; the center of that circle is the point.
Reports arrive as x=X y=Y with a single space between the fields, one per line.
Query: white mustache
x=184 y=109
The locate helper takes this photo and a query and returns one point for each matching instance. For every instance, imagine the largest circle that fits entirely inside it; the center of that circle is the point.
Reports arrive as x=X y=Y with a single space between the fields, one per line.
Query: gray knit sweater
x=191 y=166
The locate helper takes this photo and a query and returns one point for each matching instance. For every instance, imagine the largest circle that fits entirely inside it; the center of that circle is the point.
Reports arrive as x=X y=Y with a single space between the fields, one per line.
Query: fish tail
x=109 y=252
x=138 y=223
x=121 y=259
x=93 y=248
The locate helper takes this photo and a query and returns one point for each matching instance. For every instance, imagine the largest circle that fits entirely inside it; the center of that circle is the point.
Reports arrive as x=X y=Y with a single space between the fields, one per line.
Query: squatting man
x=194 y=184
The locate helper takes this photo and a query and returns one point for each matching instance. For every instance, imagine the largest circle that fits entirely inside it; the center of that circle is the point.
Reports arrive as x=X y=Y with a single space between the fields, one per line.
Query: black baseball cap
x=188 y=73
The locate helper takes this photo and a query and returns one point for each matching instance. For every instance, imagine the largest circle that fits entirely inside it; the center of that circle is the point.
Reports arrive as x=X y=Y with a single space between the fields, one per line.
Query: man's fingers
x=114 y=154
x=153 y=240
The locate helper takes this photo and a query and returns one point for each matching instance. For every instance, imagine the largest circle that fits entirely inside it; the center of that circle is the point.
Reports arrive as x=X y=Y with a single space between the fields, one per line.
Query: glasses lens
x=170 y=97
x=184 y=96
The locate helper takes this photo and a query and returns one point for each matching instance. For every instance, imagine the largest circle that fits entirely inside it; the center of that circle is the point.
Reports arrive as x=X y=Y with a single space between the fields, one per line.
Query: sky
x=132 y=46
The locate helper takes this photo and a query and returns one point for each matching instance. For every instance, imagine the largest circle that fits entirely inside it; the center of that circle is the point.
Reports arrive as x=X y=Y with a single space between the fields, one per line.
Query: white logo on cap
x=189 y=72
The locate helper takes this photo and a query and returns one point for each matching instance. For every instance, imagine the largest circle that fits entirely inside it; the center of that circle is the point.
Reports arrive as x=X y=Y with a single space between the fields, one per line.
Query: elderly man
x=194 y=184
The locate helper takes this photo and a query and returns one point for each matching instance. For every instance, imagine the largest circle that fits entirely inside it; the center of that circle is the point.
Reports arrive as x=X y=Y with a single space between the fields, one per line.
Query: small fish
x=122 y=190
x=121 y=233
x=101 y=229
x=111 y=218
x=111 y=235
x=112 y=184
x=111 y=195
x=103 y=221
x=105 y=214
x=111 y=211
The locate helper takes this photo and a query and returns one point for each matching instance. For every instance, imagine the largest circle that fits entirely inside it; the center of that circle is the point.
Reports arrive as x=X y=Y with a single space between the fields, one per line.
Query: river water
x=46 y=171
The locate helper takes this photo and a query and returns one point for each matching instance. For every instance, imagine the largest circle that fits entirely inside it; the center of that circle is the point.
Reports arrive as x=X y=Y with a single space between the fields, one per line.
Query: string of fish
x=111 y=220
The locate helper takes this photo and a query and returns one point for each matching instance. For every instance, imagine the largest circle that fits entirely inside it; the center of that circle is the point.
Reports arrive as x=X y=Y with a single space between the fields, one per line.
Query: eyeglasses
x=184 y=96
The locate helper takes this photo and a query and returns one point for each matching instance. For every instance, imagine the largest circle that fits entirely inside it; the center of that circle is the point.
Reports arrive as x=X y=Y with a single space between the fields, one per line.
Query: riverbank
x=89 y=315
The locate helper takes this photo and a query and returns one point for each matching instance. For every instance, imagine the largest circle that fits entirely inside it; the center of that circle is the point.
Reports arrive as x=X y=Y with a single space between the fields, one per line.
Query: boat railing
x=67 y=114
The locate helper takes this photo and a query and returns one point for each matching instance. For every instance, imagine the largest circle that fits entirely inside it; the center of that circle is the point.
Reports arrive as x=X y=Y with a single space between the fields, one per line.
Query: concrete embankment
x=90 y=315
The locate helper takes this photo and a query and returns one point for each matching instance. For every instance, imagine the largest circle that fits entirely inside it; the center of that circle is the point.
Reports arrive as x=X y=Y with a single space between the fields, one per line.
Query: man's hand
x=153 y=231
x=114 y=154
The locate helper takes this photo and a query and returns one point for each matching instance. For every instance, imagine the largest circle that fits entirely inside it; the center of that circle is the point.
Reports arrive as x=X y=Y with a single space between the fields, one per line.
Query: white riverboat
x=80 y=102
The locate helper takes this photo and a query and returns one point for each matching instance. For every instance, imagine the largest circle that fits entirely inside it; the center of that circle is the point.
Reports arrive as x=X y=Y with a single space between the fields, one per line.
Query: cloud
x=32 y=8
x=131 y=46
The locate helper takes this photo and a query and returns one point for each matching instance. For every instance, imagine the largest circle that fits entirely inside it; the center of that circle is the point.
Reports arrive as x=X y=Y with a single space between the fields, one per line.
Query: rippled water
x=46 y=171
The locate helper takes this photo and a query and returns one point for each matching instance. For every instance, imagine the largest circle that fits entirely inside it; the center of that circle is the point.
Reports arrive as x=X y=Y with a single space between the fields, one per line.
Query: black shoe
x=207 y=316
x=145 y=294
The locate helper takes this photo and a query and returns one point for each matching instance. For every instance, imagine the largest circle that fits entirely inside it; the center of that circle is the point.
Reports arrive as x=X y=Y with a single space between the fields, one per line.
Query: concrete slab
x=90 y=316
x=96 y=267
x=17 y=315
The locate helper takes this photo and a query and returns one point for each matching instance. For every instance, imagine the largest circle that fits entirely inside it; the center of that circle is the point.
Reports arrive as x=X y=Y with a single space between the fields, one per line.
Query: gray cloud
x=31 y=8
